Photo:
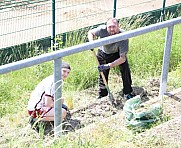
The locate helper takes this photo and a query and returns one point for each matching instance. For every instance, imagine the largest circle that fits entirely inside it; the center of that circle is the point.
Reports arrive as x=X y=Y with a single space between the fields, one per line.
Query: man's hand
x=101 y=68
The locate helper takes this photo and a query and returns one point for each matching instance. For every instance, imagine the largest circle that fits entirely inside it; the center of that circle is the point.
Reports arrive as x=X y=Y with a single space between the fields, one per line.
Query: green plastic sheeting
x=135 y=118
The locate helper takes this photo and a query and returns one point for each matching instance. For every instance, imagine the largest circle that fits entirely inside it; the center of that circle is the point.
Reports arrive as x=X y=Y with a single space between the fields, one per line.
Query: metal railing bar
x=86 y=46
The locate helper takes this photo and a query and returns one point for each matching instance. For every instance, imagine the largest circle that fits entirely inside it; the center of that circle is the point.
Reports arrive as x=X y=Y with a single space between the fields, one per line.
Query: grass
x=19 y=52
x=145 y=58
x=84 y=70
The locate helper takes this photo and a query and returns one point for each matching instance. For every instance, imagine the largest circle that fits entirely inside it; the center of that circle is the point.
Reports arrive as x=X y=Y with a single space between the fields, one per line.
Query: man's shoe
x=129 y=96
x=99 y=97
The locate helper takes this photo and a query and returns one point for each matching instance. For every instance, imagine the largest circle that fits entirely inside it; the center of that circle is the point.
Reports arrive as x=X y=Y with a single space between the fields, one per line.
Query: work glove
x=101 y=68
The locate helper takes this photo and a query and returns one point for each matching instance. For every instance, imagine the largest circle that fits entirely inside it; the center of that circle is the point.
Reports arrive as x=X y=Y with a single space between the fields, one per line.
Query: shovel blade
x=111 y=98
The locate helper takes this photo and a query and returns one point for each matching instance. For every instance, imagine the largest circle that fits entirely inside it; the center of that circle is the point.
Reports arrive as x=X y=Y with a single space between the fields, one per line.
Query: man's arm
x=91 y=35
x=119 y=61
x=123 y=49
x=95 y=33
x=49 y=101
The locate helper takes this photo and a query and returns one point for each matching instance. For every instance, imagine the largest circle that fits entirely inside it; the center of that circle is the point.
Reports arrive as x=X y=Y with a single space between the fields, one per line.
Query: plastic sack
x=135 y=116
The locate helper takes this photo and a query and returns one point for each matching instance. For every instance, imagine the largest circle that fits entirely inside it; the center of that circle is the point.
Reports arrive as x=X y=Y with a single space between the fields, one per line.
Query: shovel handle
x=105 y=82
x=102 y=74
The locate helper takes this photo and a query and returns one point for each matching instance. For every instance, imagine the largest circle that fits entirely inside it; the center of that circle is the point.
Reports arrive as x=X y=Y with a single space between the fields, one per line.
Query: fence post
x=53 y=48
x=162 y=18
x=166 y=60
x=58 y=97
x=114 y=9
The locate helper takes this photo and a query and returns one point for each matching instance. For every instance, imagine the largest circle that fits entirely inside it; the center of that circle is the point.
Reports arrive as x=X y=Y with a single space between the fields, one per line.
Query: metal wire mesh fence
x=23 y=21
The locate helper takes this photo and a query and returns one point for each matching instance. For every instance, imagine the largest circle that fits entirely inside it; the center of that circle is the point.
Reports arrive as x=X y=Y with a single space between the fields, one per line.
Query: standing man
x=112 y=55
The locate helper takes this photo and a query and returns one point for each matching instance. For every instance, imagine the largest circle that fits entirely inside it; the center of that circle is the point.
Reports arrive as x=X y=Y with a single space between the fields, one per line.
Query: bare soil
x=88 y=113
x=103 y=109
x=170 y=130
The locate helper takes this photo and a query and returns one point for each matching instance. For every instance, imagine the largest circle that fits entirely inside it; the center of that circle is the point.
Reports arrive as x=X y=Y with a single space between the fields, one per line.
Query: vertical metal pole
x=53 y=48
x=114 y=9
x=58 y=97
x=162 y=18
x=166 y=60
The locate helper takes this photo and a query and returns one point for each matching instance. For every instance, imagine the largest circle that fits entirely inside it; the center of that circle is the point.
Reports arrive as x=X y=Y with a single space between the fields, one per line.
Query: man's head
x=112 y=26
x=65 y=70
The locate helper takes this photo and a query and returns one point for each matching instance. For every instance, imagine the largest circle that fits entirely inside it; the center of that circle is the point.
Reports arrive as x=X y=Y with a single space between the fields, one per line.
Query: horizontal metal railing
x=86 y=46
x=57 y=57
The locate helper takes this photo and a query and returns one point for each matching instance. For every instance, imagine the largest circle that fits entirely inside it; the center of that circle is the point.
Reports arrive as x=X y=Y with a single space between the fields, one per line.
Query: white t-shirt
x=37 y=97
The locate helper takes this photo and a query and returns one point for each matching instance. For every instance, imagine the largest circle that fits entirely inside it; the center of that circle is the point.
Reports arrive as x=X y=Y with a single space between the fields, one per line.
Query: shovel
x=111 y=98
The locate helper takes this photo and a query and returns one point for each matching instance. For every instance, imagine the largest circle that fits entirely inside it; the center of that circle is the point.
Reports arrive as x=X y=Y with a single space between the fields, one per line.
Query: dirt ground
x=103 y=109
x=171 y=129
x=84 y=115
x=88 y=110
